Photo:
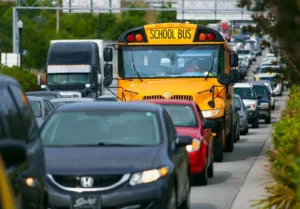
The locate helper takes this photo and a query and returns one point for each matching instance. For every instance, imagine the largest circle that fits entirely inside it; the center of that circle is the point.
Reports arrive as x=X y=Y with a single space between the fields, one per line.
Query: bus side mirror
x=234 y=76
x=108 y=69
x=224 y=79
x=108 y=54
x=107 y=81
x=234 y=60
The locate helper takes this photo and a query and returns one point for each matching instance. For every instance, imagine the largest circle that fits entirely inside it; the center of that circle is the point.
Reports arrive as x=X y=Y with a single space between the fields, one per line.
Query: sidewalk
x=253 y=186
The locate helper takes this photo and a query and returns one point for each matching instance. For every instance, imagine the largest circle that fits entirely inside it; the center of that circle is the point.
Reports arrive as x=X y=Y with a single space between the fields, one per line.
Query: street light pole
x=20 y=27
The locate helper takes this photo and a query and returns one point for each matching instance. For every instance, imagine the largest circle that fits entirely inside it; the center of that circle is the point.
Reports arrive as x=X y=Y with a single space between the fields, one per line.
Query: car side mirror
x=273 y=95
x=234 y=60
x=107 y=81
x=210 y=124
x=13 y=152
x=108 y=54
x=108 y=69
x=183 y=140
x=236 y=109
x=253 y=72
x=234 y=76
x=224 y=79
x=258 y=97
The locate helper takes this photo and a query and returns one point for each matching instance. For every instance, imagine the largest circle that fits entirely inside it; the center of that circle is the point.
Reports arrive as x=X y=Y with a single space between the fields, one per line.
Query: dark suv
x=19 y=128
x=264 y=101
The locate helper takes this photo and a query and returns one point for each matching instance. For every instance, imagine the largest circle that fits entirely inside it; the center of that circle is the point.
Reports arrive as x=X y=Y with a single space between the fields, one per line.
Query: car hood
x=192 y=132
x=99 y=160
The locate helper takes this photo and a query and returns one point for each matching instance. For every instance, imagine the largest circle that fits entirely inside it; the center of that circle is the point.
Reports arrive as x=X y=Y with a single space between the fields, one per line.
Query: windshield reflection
x=170 y=61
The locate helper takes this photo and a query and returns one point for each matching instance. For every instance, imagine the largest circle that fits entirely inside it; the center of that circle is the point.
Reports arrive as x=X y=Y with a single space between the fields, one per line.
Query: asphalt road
x=222 y=189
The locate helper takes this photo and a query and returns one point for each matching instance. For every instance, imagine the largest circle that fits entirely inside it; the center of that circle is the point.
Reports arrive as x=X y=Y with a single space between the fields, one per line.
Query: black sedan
x=115 y=155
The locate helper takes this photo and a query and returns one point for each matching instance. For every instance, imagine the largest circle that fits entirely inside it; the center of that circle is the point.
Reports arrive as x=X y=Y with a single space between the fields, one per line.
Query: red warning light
x=210 y=37
x=130 y=38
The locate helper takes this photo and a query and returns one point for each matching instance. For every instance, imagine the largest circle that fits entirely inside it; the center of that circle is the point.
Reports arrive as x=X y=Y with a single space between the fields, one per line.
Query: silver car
x=41 y=108
x=243 y=113
x=61 y=101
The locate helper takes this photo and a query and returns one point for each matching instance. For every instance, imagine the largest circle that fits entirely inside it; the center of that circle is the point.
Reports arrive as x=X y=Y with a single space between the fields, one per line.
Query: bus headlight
x=210 y=113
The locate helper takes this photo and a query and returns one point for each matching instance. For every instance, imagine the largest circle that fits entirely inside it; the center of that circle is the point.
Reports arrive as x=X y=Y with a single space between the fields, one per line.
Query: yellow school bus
x=180 y=61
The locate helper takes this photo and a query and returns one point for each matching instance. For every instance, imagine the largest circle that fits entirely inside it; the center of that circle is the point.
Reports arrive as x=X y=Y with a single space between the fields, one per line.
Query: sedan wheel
x=187 y=201
x=172 y=200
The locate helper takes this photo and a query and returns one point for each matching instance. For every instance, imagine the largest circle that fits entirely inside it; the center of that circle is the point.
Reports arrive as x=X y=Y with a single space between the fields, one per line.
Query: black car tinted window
x=26 y=112
x=237 y=102
x=261 y=91
x=170 y=127
x=245 y=93
x=11 y=115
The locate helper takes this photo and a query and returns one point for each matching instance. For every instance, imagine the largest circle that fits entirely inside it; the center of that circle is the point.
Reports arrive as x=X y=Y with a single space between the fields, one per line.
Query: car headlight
x=194 y=146
x=210 y=113
x=148 y=176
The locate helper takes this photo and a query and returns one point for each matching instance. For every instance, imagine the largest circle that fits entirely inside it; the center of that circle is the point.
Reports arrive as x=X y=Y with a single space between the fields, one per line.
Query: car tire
x=202 y=178
x=186 y=204
x=218 y=150
x=255 y=123
x=238 y=137
x=235 y=135
x=268 y=120
x=273 y=106
x=247 y=128
x=211 y=168
x=172 y=202
x=229 y=146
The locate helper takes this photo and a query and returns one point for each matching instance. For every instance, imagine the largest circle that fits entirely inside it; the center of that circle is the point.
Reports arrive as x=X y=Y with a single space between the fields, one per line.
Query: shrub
x=283 y=190
x=26 y=79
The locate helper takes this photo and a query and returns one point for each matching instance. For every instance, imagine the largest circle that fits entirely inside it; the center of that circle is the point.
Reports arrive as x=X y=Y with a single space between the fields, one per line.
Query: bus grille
x=174 y=97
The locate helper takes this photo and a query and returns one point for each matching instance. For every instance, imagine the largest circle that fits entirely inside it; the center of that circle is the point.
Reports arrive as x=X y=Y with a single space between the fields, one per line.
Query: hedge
x=26 y=79
x=283 y=189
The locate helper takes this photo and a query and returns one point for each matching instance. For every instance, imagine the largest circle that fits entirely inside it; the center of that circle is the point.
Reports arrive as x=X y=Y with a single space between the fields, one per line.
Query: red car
x=188 y=120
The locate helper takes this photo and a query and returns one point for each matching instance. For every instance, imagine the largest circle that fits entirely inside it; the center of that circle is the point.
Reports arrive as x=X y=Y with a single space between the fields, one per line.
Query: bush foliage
x=283 y=190
x=26 y=79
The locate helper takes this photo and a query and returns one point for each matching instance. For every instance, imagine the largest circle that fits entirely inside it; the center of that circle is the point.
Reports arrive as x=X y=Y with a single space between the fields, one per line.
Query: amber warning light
x=206 y=37
x=137 y=38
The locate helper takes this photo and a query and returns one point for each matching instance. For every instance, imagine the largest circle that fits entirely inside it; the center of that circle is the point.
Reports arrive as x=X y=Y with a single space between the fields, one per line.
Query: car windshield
x=237 y=103
x=182 y=115
x=36 y=108
x=261 y=91
x=245 y=93
x=171 y=61
x=91 y=128
x=243 y=51
x=61 y=78
x=272 y=79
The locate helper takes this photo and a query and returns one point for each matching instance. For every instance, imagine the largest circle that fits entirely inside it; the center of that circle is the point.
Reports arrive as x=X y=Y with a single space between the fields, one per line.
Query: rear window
x=36 y=108
x=261 y=91
x=237 y=103
x=245 y=93
x=182 y=115
x=93 y=128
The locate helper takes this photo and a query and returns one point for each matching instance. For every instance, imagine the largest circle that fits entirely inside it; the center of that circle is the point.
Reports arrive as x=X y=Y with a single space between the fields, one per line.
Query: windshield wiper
x=133 y=65
x=212 y=66
x=116 y=145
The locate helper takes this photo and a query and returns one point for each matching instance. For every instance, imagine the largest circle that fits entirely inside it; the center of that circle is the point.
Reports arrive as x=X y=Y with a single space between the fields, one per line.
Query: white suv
x=247 y=94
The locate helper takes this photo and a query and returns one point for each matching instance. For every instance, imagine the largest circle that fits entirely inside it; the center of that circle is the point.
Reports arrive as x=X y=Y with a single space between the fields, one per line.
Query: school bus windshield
x=171 y=61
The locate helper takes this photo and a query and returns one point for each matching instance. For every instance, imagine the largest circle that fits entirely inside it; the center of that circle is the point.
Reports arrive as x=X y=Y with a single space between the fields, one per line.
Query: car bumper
x=253 y=114
x=146 y=196
x=263 y=114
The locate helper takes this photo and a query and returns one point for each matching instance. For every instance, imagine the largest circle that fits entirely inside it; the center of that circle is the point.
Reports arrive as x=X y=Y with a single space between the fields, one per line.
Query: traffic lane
x=230 y=174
